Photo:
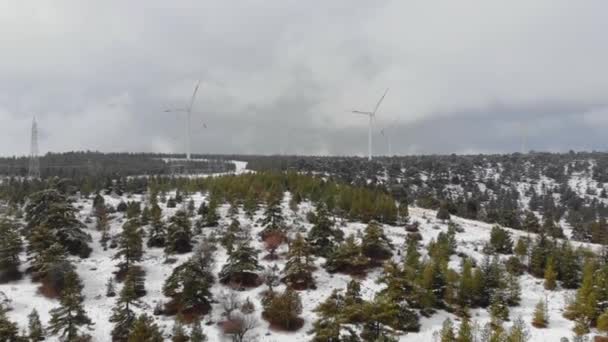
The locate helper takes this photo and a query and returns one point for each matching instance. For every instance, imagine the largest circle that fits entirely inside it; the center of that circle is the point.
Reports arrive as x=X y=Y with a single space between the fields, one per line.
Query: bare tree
x=271 y=277
x=230 y=301
x=239 y=326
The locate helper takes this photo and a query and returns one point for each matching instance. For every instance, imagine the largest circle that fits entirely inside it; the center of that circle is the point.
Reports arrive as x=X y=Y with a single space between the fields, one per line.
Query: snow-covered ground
x=96 y=270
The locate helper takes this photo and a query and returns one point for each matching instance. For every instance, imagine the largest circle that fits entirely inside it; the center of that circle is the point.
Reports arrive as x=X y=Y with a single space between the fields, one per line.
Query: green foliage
x=157 y=234
x=10 y=248
x=299 y=265
x=8 y=329
x=49 y=209
x=189 y=284
x=540 y=319
x=179 y=234
x=375 y=244
x=144 y=329
x=123 y=315
x=35 y=328
x=323 y=236
x=348 y=257
x=500 y=241
x=284 y=309
x=130 y=248
x=447 y=331
x=241 y=265
x=550 y=276
x=70 y=314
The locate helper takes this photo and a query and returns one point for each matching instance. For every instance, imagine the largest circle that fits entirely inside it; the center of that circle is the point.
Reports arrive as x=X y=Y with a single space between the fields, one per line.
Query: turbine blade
x=193 y=95
x=360 y=112
x=379 y=102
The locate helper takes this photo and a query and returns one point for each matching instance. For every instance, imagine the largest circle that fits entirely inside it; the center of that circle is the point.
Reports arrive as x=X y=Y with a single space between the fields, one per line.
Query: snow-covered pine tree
x=241 y=266
x=299 y=265
x=179 y=234
x=70 y=315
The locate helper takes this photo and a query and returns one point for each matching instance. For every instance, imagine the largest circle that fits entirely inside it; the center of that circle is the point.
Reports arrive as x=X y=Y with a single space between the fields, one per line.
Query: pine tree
x=540 y=318
x=531 y=224
x=465 y=331
x=499 y=309
x=123 y=316
x=375 y=244
x=197 y=334
x=8 y=329
x=347 y=257
x=110 y=290
x=179 y=333
x=51 y=209
x=189 y=284
x=179 y=234
x=241 y=266
x=145 y=330
x=70 y=315
x=501 y=241
x=518 y=332
x=212 y=217
x=299 y=265
x=447 y=331
x=323 y=236
x=550 y=276
x=443 y=214
x=602 y=322
x=130 y=249
x=284 y=309
x=35 y=328
x=250 y=206
x=273 y=221
x=10 y=248
x=157 y=235
x=521 y=248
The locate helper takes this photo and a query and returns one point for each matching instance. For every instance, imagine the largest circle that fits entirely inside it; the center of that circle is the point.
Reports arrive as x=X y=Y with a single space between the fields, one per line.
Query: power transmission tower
x=34 y=167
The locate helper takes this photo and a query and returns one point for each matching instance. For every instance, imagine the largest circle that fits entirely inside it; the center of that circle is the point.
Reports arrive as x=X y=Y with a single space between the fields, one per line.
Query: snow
x=96 y=270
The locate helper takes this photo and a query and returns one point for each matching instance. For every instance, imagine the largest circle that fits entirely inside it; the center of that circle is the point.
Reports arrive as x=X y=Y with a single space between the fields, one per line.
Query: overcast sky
x=280 y=76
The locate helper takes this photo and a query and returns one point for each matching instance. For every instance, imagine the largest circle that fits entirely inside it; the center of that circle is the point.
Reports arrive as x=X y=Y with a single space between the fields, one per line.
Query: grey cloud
x=279 y=76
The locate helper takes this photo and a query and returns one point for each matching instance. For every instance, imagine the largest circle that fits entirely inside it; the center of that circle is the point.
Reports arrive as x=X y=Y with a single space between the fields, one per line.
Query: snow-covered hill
x=96 y=270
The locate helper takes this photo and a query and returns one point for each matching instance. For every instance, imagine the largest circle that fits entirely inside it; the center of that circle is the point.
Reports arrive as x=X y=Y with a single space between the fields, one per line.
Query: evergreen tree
x=241 y=266
x=35 y=328
x=499 y=309
x=123 y=316
x=179 y=234
x=157 y=235
x=8 y=329
x=602 y=322
x=465 y=331
x=145 y=330
x=323 y=236
x=179 y=333
x=541 y=316
x=197 y=334
x=10 y=248
x=250 y=206
x=531 y=224
x=518 y=332
x=212 y=217
x=501 y=241
x=130 y=249
x=273 y=221
x=284 y=309
x=189 y=284
x=110 y=290
x=348 y=257
x=443 y=214
x=50 y=209
x=375 y=244
x=550 y=276
x=70 y=315
x=447 y=331
x=299 y=265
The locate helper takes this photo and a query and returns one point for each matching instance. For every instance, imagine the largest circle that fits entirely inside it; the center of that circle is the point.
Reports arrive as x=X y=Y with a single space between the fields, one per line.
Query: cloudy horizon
x=281 y=76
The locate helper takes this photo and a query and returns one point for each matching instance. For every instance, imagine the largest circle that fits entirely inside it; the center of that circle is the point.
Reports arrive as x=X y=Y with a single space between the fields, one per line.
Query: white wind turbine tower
x=384 y=132
x=188 y=112
x=372 y=116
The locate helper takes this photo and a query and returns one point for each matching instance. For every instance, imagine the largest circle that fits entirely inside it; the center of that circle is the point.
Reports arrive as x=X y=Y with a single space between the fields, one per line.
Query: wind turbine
x=188 y=112
x=372 y=116
x=384 y=133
